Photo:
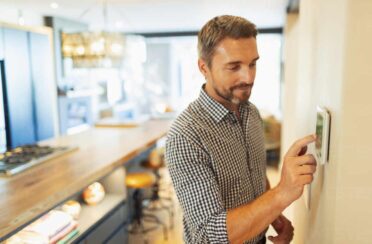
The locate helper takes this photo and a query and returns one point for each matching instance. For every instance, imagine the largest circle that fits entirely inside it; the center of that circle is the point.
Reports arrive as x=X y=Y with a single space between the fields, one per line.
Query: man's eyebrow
x=239 y=62
x=233 y=63
x=255 y=59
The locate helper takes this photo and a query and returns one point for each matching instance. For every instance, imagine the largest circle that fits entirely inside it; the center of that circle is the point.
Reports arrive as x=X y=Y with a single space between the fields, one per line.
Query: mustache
x=242 y=85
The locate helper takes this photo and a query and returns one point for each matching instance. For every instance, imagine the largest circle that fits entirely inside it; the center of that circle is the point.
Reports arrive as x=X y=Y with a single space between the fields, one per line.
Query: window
x=171 y=66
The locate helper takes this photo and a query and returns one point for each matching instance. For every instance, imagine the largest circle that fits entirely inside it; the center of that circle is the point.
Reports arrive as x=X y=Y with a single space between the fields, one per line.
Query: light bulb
x=80 y=50
x=67 y=49
x=98 y=46
x=116 y=48
x=54 y=5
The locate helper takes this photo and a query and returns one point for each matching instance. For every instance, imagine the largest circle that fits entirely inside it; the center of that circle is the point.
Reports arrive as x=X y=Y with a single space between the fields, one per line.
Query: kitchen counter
x=28 y=195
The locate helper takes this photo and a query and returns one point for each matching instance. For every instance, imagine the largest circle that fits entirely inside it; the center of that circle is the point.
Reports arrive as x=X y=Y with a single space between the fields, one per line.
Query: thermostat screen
x=319 y=134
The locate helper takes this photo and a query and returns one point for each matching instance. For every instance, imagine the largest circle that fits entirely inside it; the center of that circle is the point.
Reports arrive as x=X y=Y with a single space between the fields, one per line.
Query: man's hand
x=298 y=169
x=284 y=228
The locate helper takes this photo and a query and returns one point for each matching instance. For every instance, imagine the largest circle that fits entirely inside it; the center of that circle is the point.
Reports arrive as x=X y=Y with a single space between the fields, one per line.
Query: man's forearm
x=268 y=186
x=247 y=221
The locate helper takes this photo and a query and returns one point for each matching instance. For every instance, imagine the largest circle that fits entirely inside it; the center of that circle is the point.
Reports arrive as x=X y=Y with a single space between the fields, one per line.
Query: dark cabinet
x=2 y=115
x=119 y=237
x=107 y=229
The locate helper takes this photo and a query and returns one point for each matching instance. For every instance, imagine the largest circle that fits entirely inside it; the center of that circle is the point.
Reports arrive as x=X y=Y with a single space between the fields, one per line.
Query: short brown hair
x=217 y=29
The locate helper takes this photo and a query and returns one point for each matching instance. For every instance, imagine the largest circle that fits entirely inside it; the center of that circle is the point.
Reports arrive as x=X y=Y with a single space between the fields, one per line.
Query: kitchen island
x=100 y=151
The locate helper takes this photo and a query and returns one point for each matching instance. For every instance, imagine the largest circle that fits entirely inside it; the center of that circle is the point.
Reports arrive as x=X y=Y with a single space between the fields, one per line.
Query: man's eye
x=252 y=65
x=233 y=68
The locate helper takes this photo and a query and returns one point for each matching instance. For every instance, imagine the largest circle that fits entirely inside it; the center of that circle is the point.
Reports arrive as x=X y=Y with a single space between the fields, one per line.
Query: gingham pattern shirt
x=216 y=163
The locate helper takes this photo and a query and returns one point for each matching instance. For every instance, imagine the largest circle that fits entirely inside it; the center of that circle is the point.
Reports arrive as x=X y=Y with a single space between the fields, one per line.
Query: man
x=215 y=149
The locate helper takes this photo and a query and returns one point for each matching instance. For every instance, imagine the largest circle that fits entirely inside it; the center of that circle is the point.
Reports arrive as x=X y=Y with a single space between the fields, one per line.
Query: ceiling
x=157 y=15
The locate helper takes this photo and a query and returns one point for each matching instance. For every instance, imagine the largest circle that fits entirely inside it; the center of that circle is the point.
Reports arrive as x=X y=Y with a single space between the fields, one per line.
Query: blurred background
x=68 y=65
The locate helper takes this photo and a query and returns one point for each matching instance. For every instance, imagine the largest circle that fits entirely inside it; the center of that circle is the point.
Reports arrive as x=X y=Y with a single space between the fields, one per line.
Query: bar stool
x=139 y=181
x=155 y=162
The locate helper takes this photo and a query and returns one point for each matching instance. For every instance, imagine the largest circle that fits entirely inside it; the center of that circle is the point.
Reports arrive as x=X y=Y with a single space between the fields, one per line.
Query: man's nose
x=247 y=75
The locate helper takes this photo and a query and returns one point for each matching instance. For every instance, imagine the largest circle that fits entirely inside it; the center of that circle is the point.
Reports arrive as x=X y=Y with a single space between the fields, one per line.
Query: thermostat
x=323 y=125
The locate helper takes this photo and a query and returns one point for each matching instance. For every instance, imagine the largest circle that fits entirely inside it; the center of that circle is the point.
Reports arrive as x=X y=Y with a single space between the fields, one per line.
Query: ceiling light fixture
x=54 y=5
x=94 y=49
x=21 y=19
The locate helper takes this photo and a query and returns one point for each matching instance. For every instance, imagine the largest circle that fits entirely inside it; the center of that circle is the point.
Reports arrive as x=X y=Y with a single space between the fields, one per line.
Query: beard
x=229 y=96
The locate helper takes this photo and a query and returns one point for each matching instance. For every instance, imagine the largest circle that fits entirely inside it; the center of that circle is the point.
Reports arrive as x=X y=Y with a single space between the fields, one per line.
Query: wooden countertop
x=116 y=123
x=28 y=195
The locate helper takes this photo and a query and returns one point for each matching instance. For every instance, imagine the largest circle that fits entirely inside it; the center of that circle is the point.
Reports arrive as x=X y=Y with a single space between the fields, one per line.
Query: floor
x=175 y=234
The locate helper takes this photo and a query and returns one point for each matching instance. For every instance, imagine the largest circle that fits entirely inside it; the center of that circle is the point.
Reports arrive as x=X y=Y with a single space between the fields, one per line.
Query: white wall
x=291 y=56
x=354 y=180
x=333 y=70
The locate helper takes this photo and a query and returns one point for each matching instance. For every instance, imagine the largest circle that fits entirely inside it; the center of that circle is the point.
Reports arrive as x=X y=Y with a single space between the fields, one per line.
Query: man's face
x=233 y=70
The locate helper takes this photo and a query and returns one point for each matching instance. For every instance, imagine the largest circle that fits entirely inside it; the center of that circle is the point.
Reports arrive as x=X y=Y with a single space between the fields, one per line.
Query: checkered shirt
x=216 y=163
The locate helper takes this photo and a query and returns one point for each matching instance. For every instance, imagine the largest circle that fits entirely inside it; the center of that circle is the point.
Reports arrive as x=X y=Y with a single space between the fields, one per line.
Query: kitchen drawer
x=105 y=229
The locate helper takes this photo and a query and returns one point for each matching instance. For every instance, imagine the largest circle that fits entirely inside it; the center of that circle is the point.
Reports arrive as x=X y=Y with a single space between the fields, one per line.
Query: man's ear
x=203 y=67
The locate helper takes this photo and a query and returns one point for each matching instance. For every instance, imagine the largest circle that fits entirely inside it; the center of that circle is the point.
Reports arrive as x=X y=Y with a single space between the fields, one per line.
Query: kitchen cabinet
x=19 y=92
x=1 y=44
x=44 y=85
x=29 y=87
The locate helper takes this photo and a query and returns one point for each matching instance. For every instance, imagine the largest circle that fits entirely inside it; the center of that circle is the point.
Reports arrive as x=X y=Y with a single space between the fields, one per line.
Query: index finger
x=295 y=149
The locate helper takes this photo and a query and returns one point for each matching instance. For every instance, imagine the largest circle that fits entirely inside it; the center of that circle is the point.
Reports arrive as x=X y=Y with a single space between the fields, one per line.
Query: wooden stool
x=139 y=181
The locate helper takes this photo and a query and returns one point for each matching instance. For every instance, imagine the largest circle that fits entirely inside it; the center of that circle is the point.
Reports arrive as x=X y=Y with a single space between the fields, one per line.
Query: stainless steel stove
x=22 y=158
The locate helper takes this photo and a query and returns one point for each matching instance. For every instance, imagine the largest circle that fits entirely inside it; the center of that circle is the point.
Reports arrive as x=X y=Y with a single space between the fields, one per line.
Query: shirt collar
x=215 y=109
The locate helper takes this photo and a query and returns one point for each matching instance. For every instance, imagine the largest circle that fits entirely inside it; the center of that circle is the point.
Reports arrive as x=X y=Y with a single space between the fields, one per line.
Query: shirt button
x=250 y=167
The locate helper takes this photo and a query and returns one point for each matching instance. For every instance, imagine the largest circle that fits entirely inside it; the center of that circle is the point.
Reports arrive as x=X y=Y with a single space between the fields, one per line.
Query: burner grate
x=21 y=158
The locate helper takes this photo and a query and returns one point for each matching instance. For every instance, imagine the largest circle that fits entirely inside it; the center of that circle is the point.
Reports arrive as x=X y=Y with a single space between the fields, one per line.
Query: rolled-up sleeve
x=197 y=190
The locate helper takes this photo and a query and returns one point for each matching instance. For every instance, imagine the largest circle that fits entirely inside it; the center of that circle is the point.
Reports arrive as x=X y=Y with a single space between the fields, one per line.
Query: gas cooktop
x=24 y=157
